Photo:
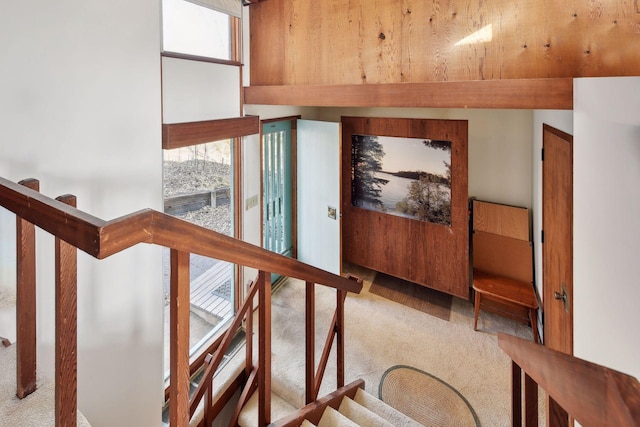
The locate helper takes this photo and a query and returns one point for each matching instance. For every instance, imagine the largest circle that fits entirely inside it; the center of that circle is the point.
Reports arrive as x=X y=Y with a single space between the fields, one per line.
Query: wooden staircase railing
x=74 y=229
x=590 y=393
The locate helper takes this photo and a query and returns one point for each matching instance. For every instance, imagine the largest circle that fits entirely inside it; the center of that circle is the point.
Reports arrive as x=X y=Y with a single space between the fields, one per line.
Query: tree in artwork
x=367 y=154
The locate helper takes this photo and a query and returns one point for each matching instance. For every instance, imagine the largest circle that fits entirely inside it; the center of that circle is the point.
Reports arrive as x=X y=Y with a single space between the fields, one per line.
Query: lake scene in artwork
x=408 y=177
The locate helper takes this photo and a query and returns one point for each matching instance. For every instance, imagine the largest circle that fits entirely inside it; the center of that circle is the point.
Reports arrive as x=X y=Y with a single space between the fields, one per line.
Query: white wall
x=194 y=91
x=81 y=110
x=562 y=120
x=499 y=147
x=606 y=239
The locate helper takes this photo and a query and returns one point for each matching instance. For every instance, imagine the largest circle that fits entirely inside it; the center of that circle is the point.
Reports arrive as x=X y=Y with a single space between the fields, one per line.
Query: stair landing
x=37 y=409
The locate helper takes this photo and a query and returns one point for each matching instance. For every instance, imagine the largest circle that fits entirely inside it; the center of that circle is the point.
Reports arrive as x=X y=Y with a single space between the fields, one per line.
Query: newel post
x=66 y=345
x=179 y=307
x=26 y=302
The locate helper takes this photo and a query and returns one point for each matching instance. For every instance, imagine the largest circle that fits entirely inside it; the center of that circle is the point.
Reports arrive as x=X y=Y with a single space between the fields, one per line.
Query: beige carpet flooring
x=37 y=409
x=381 y=334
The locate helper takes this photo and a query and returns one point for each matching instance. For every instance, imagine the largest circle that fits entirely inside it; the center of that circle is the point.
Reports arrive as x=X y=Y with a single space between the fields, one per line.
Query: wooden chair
x=503 y=263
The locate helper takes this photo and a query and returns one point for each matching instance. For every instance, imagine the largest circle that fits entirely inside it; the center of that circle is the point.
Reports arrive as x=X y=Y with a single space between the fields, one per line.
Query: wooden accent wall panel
x=508 y=221
x=379 y=41
x=430 y=254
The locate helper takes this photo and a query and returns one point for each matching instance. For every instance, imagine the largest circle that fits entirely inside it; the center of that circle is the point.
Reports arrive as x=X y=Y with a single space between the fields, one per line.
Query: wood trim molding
x=552 y=93
x=198 y=58
x=178 y=135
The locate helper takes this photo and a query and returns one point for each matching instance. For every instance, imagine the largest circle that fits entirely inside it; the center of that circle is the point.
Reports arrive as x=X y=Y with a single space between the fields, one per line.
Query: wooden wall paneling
x=430 y=254
x=328 y=42
x=508 y=221
x=267 y=29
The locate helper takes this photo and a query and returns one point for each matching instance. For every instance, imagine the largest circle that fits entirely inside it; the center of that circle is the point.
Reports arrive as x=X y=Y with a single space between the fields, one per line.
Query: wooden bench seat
x=508 y=297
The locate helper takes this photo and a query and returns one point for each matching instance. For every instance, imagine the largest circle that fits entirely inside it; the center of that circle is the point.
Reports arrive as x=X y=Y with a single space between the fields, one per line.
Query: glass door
x=277 y=188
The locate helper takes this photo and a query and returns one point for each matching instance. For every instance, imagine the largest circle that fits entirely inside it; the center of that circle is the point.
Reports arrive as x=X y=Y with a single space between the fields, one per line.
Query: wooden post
x=310 y=328
x=264 y=349
x=530 y=401
x=66 y=345
x=516 y=394
x=179 y=336
x=249 y=340
x=26 y=302
x=340 y=297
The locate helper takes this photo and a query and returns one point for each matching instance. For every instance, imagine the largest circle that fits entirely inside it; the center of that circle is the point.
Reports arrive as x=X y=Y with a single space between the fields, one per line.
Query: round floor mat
x=425 y=398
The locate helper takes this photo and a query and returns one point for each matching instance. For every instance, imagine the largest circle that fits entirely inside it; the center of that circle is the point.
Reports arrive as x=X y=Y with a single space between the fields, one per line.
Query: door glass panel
x=277 y=185
x=198 y=188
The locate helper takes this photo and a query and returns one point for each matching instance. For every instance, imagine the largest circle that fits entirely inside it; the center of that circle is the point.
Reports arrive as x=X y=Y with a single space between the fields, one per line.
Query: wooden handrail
x=74 y=229
x=593 y=394
x=102 y=239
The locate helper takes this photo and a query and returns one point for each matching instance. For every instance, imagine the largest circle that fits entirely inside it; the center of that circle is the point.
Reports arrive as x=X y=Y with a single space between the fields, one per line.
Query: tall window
x=191 y=29
x=200 y=57
x=198 y=188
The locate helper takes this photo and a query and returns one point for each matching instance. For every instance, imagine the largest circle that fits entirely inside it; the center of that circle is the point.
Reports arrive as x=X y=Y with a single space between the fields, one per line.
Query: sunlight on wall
x=483 y=35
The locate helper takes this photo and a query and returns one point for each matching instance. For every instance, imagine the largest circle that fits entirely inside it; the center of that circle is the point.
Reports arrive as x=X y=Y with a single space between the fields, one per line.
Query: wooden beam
x=26 y=302
x=556 y=93
x=178 y=135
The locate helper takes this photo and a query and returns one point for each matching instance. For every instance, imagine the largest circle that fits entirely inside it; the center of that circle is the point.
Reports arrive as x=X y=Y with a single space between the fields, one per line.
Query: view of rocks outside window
x=198 y=189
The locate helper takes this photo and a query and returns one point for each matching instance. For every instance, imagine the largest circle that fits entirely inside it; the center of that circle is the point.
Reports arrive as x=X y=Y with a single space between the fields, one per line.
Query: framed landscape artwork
x=406 y=177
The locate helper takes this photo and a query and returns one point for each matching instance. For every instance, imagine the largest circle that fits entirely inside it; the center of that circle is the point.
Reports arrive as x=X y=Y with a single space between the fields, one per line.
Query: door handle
x=562 y=297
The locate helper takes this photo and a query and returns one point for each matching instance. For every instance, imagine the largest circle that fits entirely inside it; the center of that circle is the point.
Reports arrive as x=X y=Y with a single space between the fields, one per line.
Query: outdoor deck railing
x=74 y=229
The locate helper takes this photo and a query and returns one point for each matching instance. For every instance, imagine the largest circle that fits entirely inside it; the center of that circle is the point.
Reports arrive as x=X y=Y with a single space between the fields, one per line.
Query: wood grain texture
x=178 y=135
x=309 y=339
x=26 y=353
x=508 y=221
x=583 y=388
x=503 y=256
x=66 y=334
x=179 y=313
x=551 y=93
x=264 y=348
x=429 y=254
x=530 y=402
x=378 y=41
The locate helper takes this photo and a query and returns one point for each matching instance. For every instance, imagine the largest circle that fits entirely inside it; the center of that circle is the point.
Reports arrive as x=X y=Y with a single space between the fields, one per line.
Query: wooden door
x=557 y=249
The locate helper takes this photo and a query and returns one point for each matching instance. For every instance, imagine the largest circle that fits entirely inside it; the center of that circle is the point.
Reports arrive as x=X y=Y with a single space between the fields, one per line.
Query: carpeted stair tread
x=361 y=415
x=37 y=409
x=385 y=411
x=306 y=423
x=333 y=418
x=279 y=409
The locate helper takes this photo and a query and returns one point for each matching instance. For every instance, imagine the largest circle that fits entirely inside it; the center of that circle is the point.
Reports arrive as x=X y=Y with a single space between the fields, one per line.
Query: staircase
x=349 y=406
x=362 y=410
